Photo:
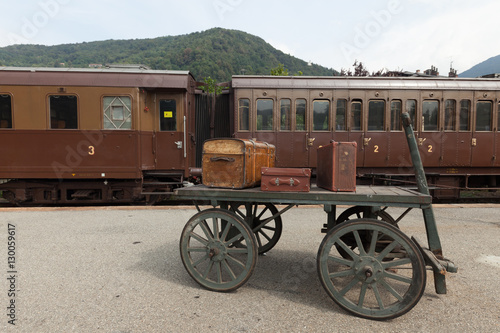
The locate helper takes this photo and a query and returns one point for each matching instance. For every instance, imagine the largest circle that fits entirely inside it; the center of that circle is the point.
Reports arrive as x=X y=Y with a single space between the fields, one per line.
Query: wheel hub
x=368 y=269
x=216 y=250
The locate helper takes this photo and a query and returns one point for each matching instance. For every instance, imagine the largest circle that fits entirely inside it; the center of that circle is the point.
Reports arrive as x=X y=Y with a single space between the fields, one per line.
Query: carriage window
x=265 y=114
x=5 y=111
x=117 y=112
x=321 y=115
x=411 y=109
x=464 y=116
x=244 y=114
x=340 y=120
x=396 y=109
x=376 y=115
x=430 y=115
x=450 y=115
x=356 y=108
x=483 y=115
x=300 y=115
x=168 y=115
x=285 y=114
x=498 y=118
x=63 y=111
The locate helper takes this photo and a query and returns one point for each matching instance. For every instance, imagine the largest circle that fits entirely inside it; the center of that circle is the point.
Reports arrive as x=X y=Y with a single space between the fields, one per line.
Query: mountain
x=218 y=53
x=490 y=66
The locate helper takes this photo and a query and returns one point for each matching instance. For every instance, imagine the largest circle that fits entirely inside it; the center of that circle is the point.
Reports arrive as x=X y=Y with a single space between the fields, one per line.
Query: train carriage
x=456 y=121
x=94 y=135
x=129 y=134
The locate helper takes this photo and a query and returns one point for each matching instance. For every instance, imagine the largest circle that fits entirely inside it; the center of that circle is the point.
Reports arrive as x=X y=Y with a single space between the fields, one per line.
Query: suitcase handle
x=218 y=158
x=285 y=181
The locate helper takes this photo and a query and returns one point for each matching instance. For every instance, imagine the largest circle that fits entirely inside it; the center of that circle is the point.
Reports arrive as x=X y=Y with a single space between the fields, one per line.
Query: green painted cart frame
x=366 y=264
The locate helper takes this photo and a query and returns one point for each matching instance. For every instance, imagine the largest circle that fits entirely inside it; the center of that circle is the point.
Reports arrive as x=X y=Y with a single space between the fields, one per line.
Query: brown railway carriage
x=94 y=135
x=457 y=123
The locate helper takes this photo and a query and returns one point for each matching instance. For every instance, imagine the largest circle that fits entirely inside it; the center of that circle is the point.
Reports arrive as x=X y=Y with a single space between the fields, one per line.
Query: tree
x=279 y=71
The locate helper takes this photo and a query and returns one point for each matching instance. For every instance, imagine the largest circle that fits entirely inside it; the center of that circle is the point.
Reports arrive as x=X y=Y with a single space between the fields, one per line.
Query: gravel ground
x=114 y=269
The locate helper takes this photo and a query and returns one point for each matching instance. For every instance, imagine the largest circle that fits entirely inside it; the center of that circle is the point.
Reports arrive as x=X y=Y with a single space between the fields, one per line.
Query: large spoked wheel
x=264 y=221
x=358 y=212
x=367 y=283
x=218 y=249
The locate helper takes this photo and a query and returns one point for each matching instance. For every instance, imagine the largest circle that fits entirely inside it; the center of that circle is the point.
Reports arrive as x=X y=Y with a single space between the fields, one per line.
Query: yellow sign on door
x=168 y=114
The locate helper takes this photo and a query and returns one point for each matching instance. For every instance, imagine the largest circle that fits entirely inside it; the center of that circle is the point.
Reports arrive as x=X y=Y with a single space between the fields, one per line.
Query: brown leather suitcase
x=235 y=163
x=336 y=166
x=286 y=180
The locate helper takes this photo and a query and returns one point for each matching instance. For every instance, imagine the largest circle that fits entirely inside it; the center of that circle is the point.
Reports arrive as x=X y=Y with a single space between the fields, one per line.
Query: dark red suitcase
x=336 y=167
x=285 y=180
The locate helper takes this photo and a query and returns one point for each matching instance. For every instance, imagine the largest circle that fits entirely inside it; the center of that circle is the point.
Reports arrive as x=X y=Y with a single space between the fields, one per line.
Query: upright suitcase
x=235 y=163
x=336 y=166
x=286 y=180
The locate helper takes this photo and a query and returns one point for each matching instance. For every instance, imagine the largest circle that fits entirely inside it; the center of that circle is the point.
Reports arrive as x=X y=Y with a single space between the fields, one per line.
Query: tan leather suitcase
x=286 y=180
x=235 y=163
x=336 y=166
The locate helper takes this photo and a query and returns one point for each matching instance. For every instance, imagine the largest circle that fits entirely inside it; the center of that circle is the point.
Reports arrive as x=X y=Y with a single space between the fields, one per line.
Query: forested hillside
x=489 y=66
x=218 y=53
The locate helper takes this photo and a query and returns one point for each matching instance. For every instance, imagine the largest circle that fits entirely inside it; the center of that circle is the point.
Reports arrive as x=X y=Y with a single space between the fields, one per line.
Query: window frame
x=344 y=125
x=240 y=118
x=437 y=115
x=174 y=117
x=399 y=114
x=266 y=129
x=352 y=116
x=469 y=109
x=383 y=116
x=289 y=115
x=491 y=116
x=327 y=118
x=295 y=113
x=130 y=110
x=51 y=120
x=453 y=118
x=11 y=120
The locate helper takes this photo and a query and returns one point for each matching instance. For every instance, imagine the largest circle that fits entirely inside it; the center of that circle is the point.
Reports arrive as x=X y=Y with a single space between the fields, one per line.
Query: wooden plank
x=364 y=195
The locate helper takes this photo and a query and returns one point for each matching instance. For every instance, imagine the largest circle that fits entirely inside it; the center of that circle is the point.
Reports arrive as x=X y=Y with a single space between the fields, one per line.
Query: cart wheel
x=218 y=249
x=267 y=235
x=366 y=283
x=358 y=212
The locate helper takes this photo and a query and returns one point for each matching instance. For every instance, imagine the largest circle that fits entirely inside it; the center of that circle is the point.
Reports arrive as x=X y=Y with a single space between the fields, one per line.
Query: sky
x=405 y=35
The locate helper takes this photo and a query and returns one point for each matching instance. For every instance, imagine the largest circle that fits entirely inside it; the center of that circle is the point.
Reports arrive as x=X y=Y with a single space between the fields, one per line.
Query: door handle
x=366 y=141
x=474 y=142
x=310 y=141
x=178 y=144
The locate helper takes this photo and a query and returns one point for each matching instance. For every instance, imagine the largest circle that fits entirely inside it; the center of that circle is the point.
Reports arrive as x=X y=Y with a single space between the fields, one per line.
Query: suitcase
x=235 y=163
x=336 y=166
x=286 y=180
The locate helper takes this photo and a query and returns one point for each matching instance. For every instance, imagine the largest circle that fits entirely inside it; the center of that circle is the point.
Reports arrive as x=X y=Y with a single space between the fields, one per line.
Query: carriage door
x=170 y=132
x=483 y=137
x=376 y=139
x=321 y=124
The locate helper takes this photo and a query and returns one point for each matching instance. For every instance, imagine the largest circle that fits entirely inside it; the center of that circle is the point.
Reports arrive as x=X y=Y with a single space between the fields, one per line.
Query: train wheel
x=358 y=212
x=366 y=283
x=267 y=233
x=218 y=249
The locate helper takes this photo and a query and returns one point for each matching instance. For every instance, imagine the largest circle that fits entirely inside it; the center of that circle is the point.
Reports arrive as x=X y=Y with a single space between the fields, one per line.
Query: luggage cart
x=366 y=264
